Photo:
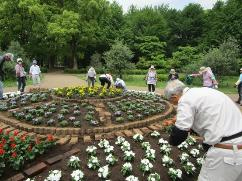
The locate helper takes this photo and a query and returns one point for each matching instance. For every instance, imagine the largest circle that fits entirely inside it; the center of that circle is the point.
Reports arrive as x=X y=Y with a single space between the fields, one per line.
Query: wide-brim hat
x=172 y=71
x=152 y=67
x=202 y=69
x=19 y=60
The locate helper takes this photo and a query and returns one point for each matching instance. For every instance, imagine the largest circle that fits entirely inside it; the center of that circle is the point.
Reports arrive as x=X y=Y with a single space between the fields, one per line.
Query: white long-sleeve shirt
x=108 y=76
x=209 y=113
x=34 y=70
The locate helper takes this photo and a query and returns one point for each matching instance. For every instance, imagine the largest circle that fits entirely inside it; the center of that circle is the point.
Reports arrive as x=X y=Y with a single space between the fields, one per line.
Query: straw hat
x=202 y=69
x=19 y=60
x=152 y=67
x=172 y=71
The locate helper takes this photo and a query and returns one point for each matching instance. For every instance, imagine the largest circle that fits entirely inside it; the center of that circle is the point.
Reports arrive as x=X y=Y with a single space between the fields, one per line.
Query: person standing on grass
x=151 y=79
x=34 y=72
x=214 y=117
x=21 y=75
x=106 y=79
x=3 y=59
x=207 y=76
x=173 y=75
x=91 y=77
x=238 y=84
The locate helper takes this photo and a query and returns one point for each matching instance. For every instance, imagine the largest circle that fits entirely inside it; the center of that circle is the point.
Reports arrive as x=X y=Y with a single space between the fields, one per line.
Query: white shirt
x=108 y=76
x=209 y=113
x=34 y=70
x=120 y=82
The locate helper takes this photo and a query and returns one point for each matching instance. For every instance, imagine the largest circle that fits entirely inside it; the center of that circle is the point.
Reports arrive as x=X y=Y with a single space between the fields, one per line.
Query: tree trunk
x=73 y=49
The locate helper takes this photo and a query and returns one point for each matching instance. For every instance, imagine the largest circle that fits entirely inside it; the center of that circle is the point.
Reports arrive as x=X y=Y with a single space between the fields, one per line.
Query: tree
x=223 y=60
x=118 y=58
x=184 y=56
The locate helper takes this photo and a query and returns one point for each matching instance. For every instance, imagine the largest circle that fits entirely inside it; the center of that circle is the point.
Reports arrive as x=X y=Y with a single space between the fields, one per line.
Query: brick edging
x=80 y=131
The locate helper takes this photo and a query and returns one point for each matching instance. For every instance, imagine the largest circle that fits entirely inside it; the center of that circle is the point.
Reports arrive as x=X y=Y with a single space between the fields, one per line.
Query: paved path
x=58 y=80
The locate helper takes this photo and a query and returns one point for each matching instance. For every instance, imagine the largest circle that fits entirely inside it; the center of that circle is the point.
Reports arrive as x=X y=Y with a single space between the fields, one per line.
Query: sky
x=177 y=4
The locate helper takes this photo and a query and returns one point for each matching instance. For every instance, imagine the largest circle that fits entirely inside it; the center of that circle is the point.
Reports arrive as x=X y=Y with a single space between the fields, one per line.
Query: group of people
x=104 y=79
x=21 y=75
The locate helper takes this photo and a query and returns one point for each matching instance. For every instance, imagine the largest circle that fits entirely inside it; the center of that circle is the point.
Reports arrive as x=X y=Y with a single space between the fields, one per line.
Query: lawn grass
x=226 y=85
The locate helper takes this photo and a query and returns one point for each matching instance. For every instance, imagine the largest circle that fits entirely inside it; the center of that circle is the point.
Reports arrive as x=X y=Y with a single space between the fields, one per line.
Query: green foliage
x=118 y=58
x=225 y=59
x=184 y=56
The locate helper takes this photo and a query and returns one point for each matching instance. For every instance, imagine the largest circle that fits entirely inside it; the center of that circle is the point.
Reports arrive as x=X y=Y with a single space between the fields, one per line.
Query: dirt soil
x=116 y=175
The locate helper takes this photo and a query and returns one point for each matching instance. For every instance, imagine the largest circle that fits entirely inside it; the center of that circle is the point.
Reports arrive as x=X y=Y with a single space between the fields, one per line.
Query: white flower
x=126 y=168
x=125 y=146
x=93 y=162
x=77 y=175
x=175 y=173
x=190 y=140
x=138 y=137
x=110 y=159
x=103 y=143
x=74 y=158
x=189 y=168
x=155 y=134
x=28 y=179
x=194 y=152
x=184 y=157
x=150 y=154
x=91 y=150
x=183 y=146
x=132 y=178
x=74 y=162
x=54 y=175
x=129 y=155
x=166 y=149
x=145 y=165
x=103 y=172
x=145 y=145
x=120 y=140
x=162 y=142
x=109 y=149
x=153 y=177
x=200 y=161
x=167 y=161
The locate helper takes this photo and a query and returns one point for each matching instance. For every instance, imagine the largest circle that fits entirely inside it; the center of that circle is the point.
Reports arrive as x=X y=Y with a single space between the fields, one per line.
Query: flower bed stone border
x=91 y=131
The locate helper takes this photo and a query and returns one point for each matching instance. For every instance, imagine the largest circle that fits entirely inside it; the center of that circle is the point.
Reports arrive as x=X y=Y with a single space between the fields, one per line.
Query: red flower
x=12 y=139
x=1 y=145
x=2 y=151
x=14 y=154
x=15 y=133
x=3 y=141
x=13 y=145
x=7 y=132
x=1 y=130
x=50 y=137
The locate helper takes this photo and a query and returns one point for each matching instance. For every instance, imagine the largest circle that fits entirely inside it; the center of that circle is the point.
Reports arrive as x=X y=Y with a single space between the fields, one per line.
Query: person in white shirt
x=120 y=84
x=91 y=77
x=216 y=118
x=34 y=72
x=106 y=78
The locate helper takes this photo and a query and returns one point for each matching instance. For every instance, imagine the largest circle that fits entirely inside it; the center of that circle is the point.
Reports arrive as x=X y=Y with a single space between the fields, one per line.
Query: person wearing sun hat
x=173 y=75
x=34 y=72
x=207 y=76
x=151 y=79
x=238 y=84
x=3 y=59
x=20 y=74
